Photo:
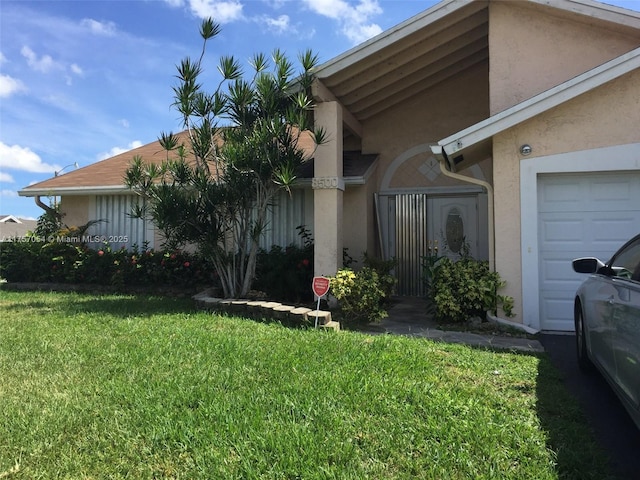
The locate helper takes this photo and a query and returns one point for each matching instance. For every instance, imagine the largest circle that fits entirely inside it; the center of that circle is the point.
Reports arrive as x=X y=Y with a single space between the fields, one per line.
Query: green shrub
x=464 y=289
x=64 y=262
x=361 y=295
x=285 y=274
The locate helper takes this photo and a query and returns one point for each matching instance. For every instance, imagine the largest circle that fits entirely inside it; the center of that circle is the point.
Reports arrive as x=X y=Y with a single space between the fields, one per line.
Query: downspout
x=45 y=207
x=439 y=154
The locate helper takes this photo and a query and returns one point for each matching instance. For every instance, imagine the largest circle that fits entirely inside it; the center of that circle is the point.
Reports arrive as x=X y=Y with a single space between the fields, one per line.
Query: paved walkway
x=408 y=316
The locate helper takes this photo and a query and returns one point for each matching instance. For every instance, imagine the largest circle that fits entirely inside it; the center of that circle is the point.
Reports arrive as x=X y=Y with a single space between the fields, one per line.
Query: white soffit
x=388 y=37
x=456 y=144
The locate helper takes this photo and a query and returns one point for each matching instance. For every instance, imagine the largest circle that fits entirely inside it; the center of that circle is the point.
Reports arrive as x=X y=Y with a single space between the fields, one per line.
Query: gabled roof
x=474 y=143
x=434 y=46
x=107 y=176
x=9 y=219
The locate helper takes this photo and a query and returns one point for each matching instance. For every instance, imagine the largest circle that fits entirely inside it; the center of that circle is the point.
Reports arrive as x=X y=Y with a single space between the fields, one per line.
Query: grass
x=145 y=387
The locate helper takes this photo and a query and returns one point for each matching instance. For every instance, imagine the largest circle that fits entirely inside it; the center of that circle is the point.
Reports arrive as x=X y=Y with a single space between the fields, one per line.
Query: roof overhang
x=474 y=143
x=408 y=59
x=59 y=191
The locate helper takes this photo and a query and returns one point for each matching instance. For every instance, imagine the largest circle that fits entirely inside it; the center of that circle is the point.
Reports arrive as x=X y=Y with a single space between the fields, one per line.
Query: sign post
x=320 y=287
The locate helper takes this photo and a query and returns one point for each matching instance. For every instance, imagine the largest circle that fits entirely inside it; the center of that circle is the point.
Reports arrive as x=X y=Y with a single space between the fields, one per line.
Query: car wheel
x=584 y=362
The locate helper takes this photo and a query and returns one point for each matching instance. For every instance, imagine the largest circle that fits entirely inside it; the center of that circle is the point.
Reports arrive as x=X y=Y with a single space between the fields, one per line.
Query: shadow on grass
x=121 y=305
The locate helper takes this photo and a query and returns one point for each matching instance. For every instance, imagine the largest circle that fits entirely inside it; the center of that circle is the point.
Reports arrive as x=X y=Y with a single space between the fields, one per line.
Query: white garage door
x=580 y=215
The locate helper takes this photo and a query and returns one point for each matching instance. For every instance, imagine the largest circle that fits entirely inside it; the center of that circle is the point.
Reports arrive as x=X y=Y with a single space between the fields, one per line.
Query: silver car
x=607 y=321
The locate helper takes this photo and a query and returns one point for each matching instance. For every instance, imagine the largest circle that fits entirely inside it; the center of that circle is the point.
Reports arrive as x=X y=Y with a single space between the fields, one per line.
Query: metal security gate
x=411 y=242
x=414 y=225
x=404 y=235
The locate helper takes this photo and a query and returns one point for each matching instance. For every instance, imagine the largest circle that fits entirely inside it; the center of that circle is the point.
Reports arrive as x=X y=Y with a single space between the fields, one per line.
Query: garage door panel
x=614 y=193
x=560 y=195
x=561 y=231
x=579 y=215
x=554 y=308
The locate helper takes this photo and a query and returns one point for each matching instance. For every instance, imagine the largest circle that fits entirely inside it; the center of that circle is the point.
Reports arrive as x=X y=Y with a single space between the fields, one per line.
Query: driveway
x=612 y=425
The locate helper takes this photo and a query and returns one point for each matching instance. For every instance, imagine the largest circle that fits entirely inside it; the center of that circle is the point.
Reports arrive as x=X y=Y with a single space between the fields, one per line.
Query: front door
x=413 y=226
x=453 y=225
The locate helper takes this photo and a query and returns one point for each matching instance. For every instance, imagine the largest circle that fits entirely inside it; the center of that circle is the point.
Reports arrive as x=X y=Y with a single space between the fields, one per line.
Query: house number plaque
x=327 y=182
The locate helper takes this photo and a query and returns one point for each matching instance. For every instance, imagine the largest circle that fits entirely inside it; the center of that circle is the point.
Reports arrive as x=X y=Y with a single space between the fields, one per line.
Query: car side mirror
x=587 y=265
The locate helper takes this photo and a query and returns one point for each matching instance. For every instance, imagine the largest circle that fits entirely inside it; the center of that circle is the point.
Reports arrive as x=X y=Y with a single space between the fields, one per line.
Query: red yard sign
x=320 y=286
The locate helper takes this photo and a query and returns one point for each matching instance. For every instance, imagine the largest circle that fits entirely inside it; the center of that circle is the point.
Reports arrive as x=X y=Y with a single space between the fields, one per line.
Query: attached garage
x=588 y=214
x=572 y=204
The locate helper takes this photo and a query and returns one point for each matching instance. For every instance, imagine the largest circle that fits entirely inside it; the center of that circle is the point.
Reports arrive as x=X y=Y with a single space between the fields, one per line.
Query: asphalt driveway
x=613 y=427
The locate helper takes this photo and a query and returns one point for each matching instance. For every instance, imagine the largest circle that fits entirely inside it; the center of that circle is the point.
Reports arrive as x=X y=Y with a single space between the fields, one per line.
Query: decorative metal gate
x=414 y=225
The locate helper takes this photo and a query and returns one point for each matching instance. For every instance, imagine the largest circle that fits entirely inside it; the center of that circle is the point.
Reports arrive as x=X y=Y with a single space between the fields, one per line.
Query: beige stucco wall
x=447 y=108
x=606 y=116
x=532 y=50
x=75 y=210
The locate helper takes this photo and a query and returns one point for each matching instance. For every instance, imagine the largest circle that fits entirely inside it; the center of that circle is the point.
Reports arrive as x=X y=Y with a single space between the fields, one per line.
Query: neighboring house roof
x=12 y=227
x=9 y=219
x=474 y=143
x=434 y=46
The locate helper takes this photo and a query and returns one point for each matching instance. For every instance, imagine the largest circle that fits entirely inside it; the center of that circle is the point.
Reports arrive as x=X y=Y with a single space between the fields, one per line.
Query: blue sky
x=81 y=81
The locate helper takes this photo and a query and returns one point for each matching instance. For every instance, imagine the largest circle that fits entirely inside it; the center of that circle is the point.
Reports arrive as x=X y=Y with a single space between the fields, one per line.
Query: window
x=626 y=262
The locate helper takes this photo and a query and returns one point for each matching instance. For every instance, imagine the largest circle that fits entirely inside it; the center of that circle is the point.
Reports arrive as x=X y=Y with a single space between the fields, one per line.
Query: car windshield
x=626 y=263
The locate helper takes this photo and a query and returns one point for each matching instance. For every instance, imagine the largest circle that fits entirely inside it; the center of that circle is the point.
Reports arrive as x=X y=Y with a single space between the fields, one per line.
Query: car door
x=625 y=340
x=599 y=293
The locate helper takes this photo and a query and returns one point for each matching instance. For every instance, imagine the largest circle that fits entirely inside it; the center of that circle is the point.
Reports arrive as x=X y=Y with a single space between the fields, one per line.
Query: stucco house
x=511 y=126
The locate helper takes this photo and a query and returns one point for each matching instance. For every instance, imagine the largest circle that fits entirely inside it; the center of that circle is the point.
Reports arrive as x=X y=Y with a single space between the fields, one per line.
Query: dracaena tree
x=243 y=145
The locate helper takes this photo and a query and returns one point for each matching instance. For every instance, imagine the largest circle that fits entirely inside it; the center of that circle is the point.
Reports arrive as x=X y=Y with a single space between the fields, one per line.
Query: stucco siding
x=533 y=50
x=606 y=116
x=441 y=111
x=75 y=210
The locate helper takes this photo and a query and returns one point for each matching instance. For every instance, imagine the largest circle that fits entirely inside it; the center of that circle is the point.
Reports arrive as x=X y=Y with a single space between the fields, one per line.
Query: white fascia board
x=540 y=103
x=597 y=10
x=97 y=190
x=388 y=37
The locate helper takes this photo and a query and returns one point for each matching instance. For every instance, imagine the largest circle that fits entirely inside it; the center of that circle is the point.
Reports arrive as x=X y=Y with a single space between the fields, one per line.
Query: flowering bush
x=361 y=295
x=285 y=274
x=72 y=263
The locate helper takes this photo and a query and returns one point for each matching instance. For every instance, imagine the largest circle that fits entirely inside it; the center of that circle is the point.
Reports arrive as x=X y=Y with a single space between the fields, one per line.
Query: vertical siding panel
x=411 y=234
x=116 y=210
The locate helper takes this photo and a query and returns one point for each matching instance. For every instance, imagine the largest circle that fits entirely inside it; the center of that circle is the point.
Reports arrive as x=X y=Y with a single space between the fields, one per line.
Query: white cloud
x=15 y=157
x=5 y=177
x=360 y=33
x=107 y=29
x=76 y=69
x=124 y=122
x=278 y=25
x=9 y=86
x=354 y=20
x=8 y=193
x=43 y=64
x=222 y=11
x=118 y=150
x=3 y=59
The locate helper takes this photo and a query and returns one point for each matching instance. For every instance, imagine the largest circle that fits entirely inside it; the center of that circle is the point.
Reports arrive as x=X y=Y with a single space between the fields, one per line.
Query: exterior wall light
x=526 y=149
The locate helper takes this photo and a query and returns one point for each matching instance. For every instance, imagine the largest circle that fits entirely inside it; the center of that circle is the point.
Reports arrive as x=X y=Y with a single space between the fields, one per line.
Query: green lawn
x=96 y=387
